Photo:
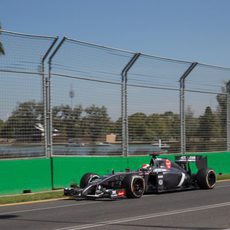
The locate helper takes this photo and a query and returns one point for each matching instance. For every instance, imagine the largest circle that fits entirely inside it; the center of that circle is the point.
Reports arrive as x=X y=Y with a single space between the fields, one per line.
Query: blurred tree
x=1 y=124
x=96 y=123
x=209 y=125
x=117 y=129
x=172 y=122
x=192 y=123
x=21 y=124
x=222 y=108
x=2 y=52
x=156 y=127
x=137 y=127
x=67 y=121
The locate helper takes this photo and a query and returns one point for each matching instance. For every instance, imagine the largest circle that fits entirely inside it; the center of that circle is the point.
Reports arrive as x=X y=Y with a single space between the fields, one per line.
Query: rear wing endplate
x=201 y=161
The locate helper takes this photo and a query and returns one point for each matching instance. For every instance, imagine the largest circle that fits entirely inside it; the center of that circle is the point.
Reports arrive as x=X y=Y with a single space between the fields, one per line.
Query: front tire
x=134 y=185
x=206 y=178
x=87 y=178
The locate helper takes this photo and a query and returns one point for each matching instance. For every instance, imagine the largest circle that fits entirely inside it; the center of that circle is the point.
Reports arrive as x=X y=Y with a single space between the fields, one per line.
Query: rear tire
x=206 y=178
x=134 y=185
x=87 y=178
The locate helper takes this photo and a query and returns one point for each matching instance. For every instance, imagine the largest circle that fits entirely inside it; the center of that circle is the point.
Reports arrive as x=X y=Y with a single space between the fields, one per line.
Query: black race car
x=160 y=175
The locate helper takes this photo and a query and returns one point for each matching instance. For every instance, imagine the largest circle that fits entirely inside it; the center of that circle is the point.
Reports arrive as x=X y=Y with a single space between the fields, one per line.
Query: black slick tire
x=206 y=178
x=87 y=178
x=134 y=186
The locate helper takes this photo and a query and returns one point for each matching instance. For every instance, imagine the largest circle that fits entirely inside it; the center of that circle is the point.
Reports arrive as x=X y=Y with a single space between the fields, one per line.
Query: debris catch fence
x=69 y=97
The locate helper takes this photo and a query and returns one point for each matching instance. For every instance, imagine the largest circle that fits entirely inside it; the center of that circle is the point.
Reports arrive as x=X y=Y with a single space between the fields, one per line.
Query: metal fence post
x=182 y=106
x=228 y=116
x=124 y=104
x=48 y=101
x=44 y=93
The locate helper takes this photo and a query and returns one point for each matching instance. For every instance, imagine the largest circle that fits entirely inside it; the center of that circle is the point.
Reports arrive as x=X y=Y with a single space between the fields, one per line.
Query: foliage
x=76 y=123
x=21 y=124
x=153 y=127
x=93 y=123
x=67 y=120
x=209 y=131
x=192 y=123
x=96 y=122
x=209 y=125
x=1 y=124
x=222 y=107
x=137 y=126
x=2 y=52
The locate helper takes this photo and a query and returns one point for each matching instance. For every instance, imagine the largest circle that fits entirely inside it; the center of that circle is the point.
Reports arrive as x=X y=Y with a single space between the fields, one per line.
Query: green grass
x=53 y=194
x=223 y=177
x=31 y=197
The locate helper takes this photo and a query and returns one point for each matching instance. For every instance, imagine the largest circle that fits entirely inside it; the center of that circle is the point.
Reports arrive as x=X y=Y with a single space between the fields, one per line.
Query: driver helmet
x=145 y=166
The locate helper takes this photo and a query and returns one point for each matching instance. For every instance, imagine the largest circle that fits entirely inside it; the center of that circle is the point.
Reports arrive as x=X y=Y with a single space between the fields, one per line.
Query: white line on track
x=149 y=216
x=222 y=186
x=47 y=208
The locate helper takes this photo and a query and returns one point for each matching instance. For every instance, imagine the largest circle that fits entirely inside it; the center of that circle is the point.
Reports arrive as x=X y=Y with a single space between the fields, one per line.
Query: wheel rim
x=94 y=177
x=138 y=187
x=211 y=178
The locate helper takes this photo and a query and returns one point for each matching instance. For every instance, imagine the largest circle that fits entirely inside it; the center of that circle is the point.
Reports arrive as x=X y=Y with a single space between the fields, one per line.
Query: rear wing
x=200 y=161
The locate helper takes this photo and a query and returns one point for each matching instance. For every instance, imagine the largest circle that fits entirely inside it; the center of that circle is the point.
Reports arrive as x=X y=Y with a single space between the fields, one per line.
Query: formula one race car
x=160 y=175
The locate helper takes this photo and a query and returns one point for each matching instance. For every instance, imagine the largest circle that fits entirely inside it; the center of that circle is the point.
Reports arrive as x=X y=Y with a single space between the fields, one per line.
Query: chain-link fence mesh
x=153 y=102
x=95 y=100
x=86 y=98
x=21 y=94
x=206 y=108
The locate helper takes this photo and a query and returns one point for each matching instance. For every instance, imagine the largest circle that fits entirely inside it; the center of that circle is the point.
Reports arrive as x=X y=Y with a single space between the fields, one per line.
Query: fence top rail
x=146 y=55
x=166 y=59
x=126 y=51
x=27 y=35
x=98 y=46
x=25 y=52
x=214 y=66
x=112 y=48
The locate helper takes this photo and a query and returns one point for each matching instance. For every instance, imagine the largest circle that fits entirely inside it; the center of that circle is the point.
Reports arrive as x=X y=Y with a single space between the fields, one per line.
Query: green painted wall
x=35 y=174
x=67 y=170
x=24 y=174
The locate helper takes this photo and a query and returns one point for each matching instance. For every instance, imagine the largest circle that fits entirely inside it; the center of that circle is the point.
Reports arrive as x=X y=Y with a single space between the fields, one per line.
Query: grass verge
x=54 y=194
x=31 y=197
x=223 y=177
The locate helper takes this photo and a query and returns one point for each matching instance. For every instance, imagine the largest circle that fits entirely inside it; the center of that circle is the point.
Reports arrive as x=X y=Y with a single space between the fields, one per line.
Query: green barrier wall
x=24 y=174
x=67 y=170
x=35 y=174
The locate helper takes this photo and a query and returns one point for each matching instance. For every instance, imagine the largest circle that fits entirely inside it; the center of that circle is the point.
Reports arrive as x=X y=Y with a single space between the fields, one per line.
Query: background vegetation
x=93 y=123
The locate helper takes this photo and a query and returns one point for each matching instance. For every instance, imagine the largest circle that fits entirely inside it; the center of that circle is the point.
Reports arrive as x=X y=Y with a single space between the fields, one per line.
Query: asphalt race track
x=190 y=210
